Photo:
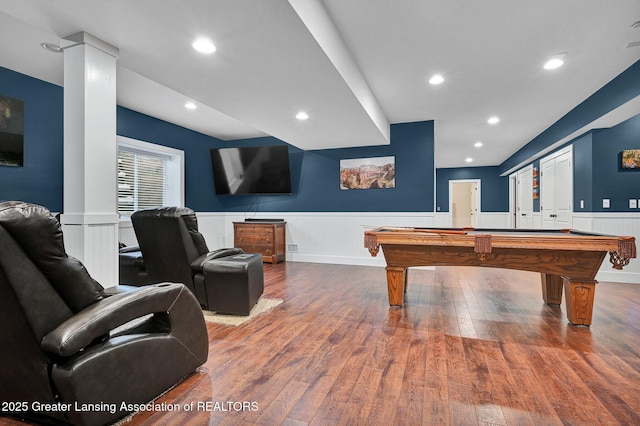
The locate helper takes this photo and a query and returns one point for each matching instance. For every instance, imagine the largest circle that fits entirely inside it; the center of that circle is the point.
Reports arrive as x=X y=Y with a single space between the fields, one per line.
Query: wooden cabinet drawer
x=266 y=250
x=253 y=229
x=248 y=239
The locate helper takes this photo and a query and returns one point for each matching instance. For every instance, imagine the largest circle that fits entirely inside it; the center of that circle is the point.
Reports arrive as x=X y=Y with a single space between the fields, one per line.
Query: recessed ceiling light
x=190 y=105
x=302 y=115
x=493 y=120
x=204 y=45
x=555 y=61
x=51 y=47
x=436 y=79
x=477 y=144
x=468 y=159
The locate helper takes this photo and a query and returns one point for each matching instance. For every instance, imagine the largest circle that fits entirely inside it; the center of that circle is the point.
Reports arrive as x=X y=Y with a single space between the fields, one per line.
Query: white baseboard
x=337 y=260
x=619 y=277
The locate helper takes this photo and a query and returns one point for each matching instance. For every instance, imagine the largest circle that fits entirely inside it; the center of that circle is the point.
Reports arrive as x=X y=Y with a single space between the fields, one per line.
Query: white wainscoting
x=217 y=230
x=442 y=220
x=613 y=224
x=485 y=220
x=94 y=245
x=330 y=237
x=126 y=234
x=493 y=220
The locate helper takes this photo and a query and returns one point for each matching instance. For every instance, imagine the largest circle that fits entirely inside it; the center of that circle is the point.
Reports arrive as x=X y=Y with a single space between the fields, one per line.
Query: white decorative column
x=90 y=216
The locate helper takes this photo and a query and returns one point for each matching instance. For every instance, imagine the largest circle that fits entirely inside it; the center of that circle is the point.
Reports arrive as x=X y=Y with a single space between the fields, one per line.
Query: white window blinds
x=142 y=180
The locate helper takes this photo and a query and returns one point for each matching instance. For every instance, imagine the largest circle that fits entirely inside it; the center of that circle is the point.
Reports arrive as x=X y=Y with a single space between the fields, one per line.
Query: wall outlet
x=606 y=203
x=633 y=203
x=582 y=204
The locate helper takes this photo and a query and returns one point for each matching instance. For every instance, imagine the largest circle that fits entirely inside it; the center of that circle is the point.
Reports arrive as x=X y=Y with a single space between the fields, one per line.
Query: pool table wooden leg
x=552 y=289
x=396 y=282
x=579 y=296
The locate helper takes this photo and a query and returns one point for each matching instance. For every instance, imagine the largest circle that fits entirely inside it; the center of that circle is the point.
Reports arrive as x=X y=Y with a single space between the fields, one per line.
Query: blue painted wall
x=494 y=189
x=315 y=177
x=609 y=179
x=40 y=180
x=583 y=173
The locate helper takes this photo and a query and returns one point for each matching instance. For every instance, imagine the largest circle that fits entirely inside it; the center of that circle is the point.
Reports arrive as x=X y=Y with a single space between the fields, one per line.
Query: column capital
x=86 y=38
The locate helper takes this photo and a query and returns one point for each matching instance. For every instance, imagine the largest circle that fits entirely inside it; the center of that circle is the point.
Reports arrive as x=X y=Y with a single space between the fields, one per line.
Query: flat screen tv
x=251 y=170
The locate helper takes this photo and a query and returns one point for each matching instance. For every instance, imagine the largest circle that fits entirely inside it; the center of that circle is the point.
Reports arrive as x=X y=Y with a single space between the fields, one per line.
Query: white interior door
x=563 y=191
x=513 y=200
x=548 y=193
x=524 y=198
x=474 y=202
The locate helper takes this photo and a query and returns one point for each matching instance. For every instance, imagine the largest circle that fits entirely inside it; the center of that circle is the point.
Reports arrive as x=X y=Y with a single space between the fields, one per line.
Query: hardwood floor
x=471 y=346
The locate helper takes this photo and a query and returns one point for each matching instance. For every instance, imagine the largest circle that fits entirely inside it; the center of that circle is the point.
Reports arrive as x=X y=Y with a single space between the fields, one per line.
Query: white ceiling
x=354 y=65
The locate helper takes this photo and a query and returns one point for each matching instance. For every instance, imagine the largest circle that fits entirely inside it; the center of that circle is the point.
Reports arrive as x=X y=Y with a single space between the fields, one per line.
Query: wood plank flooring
x=472 y=346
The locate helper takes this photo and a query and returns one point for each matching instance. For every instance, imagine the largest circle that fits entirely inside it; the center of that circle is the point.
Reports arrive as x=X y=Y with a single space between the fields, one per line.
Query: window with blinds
x=142 y=181
x=149 y=176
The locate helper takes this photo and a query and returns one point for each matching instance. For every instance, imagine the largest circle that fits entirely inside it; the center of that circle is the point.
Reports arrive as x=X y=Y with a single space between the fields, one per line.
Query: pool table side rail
x=626 y=245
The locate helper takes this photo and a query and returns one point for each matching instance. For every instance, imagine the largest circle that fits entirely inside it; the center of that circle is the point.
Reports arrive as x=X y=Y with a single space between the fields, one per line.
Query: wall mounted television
x=251 y=170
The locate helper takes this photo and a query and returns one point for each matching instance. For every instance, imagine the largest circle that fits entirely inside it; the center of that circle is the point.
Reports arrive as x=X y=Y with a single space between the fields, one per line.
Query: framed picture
x=11 y=132
x=368 y=173
x=631 y=159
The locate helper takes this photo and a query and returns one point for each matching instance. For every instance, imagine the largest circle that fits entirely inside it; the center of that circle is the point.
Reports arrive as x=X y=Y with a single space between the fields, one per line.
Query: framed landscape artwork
x=368 y=173
x=631 y=159
x=11 y=132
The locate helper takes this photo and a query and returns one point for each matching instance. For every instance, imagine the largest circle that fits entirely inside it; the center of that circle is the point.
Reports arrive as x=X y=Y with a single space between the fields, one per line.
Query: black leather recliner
x=172 y=249
x=68 y=346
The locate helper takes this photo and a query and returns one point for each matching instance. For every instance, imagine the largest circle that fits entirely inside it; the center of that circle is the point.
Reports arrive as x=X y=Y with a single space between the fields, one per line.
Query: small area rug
x=264 y=304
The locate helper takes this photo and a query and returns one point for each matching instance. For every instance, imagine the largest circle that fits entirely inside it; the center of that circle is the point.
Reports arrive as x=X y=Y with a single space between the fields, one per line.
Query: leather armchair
x=131 y=266
x=174 y=250
x=68 y=344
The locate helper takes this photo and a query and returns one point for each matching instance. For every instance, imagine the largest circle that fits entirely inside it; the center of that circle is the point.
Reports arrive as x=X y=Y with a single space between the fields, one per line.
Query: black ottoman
x=233 y=284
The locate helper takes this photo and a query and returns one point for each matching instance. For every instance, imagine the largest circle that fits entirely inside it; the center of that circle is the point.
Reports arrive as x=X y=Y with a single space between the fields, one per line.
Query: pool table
x=565 y=258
